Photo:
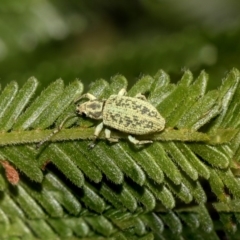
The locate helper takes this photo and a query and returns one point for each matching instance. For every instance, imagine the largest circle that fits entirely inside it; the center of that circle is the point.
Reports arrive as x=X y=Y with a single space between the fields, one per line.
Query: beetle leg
x=135 y=141
x=140 y=96
x=97 y=131
x=108 y=136
x=122 y=92
x=86 y=95
x=55 y=131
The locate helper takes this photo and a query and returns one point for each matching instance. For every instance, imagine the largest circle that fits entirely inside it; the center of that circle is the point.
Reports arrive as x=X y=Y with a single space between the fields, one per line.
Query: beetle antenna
x=89 y=96
x=55 y=131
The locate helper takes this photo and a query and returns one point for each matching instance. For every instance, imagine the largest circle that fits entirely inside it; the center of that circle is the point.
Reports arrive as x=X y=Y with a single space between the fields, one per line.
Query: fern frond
x=119 y=191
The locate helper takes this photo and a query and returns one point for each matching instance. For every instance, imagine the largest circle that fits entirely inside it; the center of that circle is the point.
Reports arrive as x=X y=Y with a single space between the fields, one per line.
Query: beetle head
x=92 y=109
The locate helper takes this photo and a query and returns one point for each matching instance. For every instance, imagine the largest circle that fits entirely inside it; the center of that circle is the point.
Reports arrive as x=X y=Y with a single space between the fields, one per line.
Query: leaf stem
x=186 y=135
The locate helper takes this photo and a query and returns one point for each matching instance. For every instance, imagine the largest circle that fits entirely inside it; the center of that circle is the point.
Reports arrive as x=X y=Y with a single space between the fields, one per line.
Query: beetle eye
x=83 y=114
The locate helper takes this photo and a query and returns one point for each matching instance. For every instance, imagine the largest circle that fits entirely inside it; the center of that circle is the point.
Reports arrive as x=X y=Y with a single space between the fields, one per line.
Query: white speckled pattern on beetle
x=133 y=115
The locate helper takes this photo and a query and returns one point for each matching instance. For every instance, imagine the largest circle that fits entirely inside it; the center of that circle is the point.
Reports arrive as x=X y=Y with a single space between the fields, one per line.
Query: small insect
x=132 y=115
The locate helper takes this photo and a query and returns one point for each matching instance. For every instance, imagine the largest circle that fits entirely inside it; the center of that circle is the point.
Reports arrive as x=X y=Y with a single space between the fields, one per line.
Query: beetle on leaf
x=132 y=115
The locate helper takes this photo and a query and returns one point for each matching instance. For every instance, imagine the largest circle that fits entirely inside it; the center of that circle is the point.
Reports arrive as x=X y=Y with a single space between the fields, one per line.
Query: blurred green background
x=98 y=39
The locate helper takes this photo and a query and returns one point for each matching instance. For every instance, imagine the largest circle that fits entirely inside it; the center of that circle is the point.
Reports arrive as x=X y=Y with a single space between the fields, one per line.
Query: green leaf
x=19 y=103
x=45 y=100
x=118 y=190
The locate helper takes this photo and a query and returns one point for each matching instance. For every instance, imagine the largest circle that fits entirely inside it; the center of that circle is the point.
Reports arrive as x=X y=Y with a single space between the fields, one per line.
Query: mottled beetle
x=133 y=115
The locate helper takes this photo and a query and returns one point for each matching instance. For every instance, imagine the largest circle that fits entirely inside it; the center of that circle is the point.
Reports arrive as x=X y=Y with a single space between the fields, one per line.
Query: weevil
x=132 y=115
